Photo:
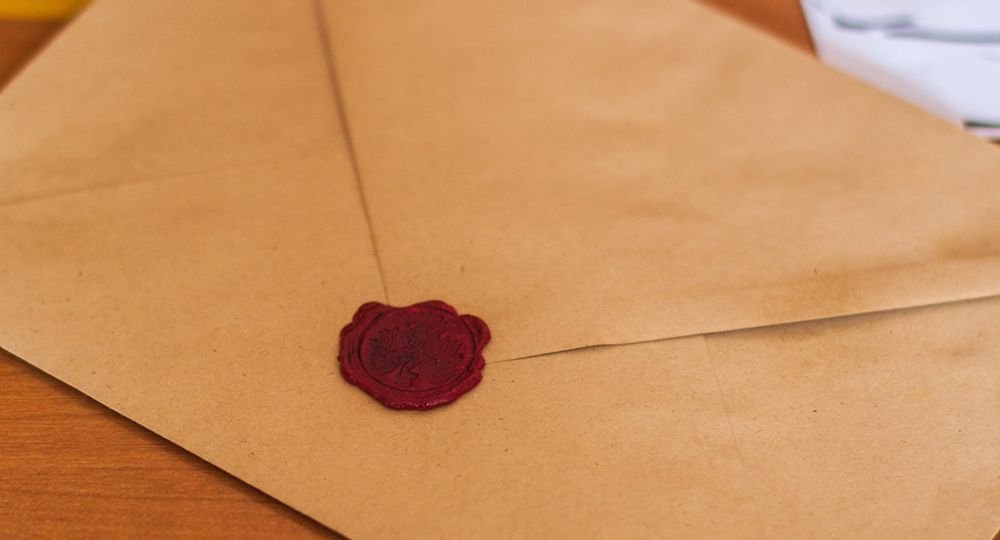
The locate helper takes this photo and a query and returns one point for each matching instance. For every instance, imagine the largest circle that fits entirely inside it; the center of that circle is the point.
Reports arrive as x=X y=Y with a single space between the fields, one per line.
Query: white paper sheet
x=940 y=56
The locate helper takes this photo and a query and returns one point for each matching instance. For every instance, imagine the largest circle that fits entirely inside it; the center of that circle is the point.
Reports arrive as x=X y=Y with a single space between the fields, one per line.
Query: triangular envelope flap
x=582 y=173
x=161 y=295
x=140 y=91
x=172 y=167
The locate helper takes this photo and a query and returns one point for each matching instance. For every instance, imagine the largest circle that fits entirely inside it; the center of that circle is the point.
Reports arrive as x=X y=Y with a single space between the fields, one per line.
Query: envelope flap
x=584 y=173
x=167 y=207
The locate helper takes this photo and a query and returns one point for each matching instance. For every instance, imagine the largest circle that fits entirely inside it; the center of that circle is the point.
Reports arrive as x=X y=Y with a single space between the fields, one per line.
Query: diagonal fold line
x=331 y=70
x=875 y=312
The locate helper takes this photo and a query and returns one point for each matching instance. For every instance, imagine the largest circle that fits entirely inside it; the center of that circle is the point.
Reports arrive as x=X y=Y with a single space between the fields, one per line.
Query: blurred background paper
x=941 y=56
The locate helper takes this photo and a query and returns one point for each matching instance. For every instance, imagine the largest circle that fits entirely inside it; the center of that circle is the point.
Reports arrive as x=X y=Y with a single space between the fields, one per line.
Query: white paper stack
x=940 y=56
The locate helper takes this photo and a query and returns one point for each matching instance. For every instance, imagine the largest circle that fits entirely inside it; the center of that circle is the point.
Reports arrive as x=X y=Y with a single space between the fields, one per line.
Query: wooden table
x=71 y=468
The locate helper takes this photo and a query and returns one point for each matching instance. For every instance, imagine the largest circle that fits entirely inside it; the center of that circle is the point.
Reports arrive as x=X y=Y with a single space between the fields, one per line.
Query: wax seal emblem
x=415 y=357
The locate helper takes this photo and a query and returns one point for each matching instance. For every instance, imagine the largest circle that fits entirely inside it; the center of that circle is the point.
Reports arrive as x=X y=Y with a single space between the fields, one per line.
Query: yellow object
x=39 y=9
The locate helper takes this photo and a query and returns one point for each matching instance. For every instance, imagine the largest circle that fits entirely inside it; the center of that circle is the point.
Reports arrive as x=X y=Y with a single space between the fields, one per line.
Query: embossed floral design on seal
x=417 y=357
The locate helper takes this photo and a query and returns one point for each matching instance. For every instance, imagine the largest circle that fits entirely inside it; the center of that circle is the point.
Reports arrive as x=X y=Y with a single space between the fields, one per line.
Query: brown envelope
x=187 y=225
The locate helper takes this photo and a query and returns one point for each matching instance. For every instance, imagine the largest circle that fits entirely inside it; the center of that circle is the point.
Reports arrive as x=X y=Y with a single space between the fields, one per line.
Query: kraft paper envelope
x=196 y=198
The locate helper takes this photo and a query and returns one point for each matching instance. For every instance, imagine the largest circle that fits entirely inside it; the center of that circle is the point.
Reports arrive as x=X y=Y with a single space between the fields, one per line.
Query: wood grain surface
x=70 y=468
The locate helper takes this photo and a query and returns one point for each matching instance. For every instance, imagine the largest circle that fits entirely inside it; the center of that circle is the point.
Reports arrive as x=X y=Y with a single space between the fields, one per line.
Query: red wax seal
x=416 y=357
